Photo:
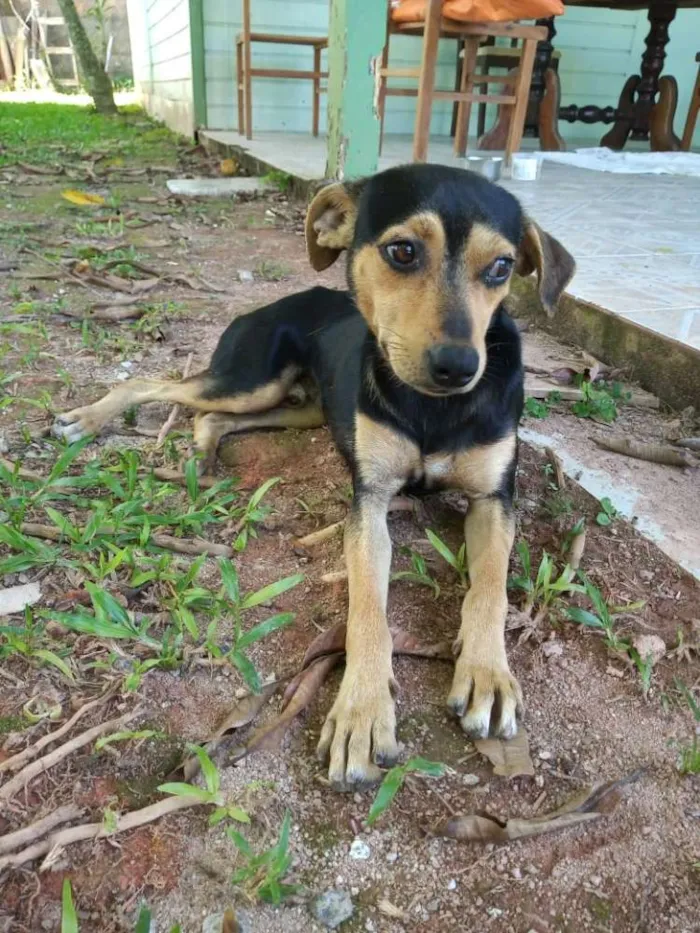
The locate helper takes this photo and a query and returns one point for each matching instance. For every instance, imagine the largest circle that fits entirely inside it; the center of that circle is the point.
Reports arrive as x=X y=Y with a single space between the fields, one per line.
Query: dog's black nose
x=452 y=366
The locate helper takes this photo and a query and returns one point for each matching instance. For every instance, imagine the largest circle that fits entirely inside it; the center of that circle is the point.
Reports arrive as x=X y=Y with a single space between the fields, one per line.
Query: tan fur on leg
x=211 y=427
x=359 y=732
x=190 y=392
x=484 y=693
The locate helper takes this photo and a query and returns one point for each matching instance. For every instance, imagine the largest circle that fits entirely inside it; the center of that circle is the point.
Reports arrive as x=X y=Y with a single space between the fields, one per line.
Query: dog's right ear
x=330 y=223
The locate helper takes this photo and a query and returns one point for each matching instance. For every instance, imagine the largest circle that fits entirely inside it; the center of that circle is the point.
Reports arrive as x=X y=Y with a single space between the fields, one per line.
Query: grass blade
x=69 y=918
x=265 y=628
x=271 y=591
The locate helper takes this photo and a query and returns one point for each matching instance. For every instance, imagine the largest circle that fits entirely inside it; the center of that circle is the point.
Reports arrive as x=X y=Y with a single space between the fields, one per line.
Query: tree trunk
x=97 y=83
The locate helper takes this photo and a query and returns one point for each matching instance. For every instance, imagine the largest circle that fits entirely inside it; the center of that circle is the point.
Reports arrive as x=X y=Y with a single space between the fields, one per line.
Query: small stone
x=539 y=780
x=545 y=756
x=552 y=649
x=359 y=850
x=494 y=912
x=470 y=780
x=596 y=880
x=517 y=874
x=245 y=275
x=332 y=908
x=452 y=884
x=214 y=923
x=391 y=857
x=650 y=647
x=433 y=906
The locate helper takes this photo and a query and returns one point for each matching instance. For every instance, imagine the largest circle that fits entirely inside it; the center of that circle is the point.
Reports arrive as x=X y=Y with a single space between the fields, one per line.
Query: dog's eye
x=498 y=271
x=402 y=254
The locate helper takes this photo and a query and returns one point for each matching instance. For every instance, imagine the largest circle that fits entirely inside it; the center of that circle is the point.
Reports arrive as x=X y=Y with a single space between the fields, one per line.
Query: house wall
x=600 y=49
x=162 y=60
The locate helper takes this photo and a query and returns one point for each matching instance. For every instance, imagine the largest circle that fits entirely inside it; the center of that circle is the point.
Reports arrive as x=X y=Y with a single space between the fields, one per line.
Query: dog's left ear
x=555 y=266
x=330 y=223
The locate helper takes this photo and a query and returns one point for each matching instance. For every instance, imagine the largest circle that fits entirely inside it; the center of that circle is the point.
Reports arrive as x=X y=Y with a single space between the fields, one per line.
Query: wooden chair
x=492 y=56
x=245 y=71
x=517 y=86
x=693 y=111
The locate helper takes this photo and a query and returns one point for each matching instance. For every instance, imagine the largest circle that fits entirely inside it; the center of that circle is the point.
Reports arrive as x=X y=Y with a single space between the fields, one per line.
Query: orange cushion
x=478 y=11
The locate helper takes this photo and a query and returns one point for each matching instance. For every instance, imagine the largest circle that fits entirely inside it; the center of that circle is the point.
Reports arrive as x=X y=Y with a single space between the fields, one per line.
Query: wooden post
x=357 y=33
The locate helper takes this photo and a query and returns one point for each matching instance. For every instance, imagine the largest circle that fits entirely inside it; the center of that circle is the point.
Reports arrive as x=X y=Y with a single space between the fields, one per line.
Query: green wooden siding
x=600 y=48
x=161 y=44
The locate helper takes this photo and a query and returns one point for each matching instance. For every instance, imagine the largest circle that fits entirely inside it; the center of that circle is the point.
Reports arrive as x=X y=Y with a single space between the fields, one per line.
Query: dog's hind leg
x=201 y=392
x=211 y=427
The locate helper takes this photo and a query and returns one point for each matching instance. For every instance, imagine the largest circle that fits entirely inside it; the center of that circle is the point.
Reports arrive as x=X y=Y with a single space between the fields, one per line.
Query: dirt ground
x=635 y=870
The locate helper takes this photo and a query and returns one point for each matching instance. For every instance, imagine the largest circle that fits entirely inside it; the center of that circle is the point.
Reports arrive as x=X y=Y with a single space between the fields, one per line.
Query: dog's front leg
x=359 y=732
x=484 y=693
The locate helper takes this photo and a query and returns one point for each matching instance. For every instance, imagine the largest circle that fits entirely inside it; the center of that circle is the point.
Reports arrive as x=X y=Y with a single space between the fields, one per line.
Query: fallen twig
x=116 y=313
x=323 y=534
x=574 y=394
x=175 y=410
x=690 y=443
x=576 y=550
x=654 y=453
x=16 y=762
x=126 y=821
x=558 y=469
x=15 y=784
x=12 y=841
x=169 y=475
x=335 y=576
x=179 y=545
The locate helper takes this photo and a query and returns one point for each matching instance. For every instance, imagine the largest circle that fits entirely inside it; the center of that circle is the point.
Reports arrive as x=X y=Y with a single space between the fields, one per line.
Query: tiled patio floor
x=636 y=238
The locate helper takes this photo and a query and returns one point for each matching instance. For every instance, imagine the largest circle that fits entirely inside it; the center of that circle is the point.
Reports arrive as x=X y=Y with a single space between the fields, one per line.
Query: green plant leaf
x=229 y=578
x=257 y=496
x=387 y=791
x=106 y=605
x=603 y=519
x=584 y=617
x=124 y=737
x=265 y=628
x=177 y=789
x=143 y=924
x=442 y=548
x=424 y=766
x=209 y=770
x=192 y=479
x=248 y=672
x=43 y=654
x=69 y=917
x=271 y=591
x=240 y=843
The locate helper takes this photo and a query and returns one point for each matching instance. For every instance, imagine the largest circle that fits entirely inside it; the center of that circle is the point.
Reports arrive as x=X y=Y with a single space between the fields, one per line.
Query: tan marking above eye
x=483 y=246
x=425 y=226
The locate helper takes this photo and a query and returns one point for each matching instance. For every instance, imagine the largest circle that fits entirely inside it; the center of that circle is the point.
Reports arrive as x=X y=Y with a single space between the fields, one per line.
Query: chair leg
x=426 y=81
x=481 y=121
x=522 y=96
x=381 y=96
x=248 y=102
x=464 y=110
x=317 y=89
x=239 y=88
x=458 y=84
x=692 y=118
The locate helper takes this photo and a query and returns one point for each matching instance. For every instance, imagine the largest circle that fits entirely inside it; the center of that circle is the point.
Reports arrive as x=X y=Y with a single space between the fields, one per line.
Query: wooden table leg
x=426 y=81
x=639 y=93
x=545 y=91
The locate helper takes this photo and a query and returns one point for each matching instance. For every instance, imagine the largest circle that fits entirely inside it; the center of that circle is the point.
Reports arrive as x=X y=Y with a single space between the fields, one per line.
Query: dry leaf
x=40 y=169
x=509 y=758
x=82 y=198
x=576 y=550
x=563 y=376
x=230 y=923
x=408 y=644
x=384 y=906
x=328 y=642
x=589 y=805
x=307 y=685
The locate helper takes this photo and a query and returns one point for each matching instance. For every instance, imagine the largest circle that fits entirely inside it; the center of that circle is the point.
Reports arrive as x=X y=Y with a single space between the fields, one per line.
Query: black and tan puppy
x=418 y=372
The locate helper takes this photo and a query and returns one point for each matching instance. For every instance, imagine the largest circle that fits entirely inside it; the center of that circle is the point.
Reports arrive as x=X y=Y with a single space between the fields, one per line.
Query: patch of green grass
x=271 y=271
x=689 y=754
x=545 y=588
x=281 y=180
x=262 y=874
x=540 y=408
x=608 y=513
x=419 y=573
x=393 y=782
x=210 y=793
x=457 y=561
x=600 y=401
x=48 y=133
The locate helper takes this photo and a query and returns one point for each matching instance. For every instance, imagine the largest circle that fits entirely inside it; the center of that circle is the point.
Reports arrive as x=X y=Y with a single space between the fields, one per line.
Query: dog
x=417 y=370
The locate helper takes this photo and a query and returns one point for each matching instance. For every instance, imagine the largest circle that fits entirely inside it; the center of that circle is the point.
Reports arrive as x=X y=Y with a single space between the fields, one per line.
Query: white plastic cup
x=525 y=168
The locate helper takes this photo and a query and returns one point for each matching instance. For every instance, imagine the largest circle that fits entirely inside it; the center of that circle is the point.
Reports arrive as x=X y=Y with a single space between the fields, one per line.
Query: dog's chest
x=477 y=471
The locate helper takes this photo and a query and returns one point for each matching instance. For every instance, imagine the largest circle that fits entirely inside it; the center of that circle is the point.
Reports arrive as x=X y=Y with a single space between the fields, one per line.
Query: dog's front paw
x=485 y=695
x=75 y=425
x=360 y=731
